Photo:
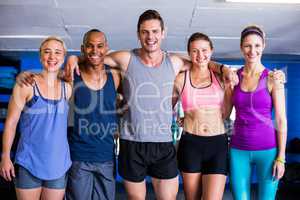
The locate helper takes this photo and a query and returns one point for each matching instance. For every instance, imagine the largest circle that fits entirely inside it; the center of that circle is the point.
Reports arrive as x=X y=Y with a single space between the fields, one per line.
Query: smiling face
x=94 y=48
x=200 y=52
x=151 y=35
x=52 y=55
x=252 y=48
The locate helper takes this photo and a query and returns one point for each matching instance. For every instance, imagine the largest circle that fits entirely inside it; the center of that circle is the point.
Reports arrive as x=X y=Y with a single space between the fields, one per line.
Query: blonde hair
x=55 y=38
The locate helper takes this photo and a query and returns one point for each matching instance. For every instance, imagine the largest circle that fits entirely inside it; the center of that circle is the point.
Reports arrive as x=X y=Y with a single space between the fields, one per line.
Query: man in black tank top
x=92 y=174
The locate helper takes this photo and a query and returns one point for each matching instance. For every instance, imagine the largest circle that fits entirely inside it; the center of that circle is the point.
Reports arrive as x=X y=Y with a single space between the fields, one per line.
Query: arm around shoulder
x=25 y=78
x=216 y=67
x=118 y=59
x=180 y=62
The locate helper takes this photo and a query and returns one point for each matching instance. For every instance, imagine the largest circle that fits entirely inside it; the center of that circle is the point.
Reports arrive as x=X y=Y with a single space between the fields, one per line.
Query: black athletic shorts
x=203 y=154
x=137 y=160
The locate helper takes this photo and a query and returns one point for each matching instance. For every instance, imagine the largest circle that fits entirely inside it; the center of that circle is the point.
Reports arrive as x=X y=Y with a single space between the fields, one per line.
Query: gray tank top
x=148 y=93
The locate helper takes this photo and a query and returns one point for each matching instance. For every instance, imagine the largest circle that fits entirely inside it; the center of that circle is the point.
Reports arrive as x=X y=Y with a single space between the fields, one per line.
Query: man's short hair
x=149 y=15
x=87 y=34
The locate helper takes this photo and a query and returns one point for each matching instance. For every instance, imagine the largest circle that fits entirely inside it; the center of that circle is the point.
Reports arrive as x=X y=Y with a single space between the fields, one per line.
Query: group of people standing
x=152 y=81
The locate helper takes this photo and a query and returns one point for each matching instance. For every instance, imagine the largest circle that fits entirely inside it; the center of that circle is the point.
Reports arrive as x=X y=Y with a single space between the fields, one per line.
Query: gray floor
x=227 y=196
x=285 y=192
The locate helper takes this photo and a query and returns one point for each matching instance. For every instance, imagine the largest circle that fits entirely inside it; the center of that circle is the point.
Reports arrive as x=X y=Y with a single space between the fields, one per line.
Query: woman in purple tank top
x=43 y=156
x=255 y=140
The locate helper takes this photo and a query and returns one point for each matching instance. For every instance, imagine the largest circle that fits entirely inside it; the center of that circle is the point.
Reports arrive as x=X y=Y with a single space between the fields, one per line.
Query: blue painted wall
x=293 y=93
x=289 y=64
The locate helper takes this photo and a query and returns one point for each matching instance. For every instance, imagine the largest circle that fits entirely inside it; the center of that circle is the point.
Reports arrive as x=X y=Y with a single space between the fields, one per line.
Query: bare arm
x=116 y=76
x=118 y=59
x=227 y=104
x=227 y=74
x=71 y=65
x=178 y=86
x=216 y=67
x=180 y=62
x=25 y=78
x=278 y=96
x=15 y=107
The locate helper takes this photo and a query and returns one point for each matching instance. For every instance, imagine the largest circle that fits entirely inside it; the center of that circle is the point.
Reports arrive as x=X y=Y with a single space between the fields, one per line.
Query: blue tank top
x=95 y=121
x=43 y=147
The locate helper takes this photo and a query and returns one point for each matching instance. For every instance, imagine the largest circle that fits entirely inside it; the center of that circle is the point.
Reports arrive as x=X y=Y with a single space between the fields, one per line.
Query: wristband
x=281 y=160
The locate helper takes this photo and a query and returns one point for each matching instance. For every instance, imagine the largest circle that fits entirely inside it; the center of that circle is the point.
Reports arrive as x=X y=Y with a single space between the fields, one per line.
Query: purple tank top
x=253 y=127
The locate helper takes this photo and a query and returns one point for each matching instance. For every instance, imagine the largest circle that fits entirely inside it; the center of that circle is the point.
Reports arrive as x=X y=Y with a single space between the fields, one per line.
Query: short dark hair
x=148 y=15
x=87 y=34
x=253 y=29
x=199 y=36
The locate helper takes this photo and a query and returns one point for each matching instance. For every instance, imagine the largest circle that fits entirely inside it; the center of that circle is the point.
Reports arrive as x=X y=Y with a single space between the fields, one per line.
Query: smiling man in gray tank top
x=146 y=142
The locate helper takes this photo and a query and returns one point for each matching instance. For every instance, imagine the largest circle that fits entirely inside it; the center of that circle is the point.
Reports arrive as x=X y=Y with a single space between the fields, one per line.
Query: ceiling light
x=266 y=1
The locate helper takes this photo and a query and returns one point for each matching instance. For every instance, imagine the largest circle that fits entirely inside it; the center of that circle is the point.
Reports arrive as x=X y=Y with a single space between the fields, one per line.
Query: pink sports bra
x=210 y=96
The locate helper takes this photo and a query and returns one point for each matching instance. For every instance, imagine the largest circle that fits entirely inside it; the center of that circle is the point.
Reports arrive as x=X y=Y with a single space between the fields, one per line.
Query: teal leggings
x=241 y=162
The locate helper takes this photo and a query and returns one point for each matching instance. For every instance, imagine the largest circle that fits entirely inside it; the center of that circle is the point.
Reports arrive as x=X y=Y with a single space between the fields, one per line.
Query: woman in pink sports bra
x=203 y=148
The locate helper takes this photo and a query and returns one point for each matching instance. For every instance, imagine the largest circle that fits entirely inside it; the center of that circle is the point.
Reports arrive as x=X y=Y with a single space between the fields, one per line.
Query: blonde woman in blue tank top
x=42 y=157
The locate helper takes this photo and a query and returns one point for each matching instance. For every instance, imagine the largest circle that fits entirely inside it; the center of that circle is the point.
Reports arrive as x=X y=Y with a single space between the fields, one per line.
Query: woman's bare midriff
x=204 y=122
